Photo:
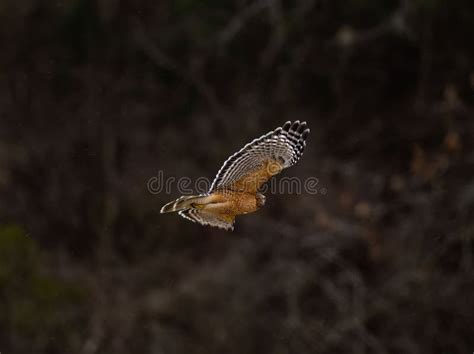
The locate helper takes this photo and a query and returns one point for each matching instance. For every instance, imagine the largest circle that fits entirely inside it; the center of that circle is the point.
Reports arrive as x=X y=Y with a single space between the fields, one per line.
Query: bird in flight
x=235 y=189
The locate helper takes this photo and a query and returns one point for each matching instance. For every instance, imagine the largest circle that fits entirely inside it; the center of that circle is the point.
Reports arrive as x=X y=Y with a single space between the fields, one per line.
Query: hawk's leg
x=260 y=200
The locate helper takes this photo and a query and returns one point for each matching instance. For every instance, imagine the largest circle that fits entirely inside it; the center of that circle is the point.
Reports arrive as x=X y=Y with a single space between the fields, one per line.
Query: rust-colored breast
x=238 y=203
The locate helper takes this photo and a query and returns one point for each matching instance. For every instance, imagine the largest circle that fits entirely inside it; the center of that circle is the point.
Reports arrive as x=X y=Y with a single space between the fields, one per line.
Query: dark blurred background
x=97 y=97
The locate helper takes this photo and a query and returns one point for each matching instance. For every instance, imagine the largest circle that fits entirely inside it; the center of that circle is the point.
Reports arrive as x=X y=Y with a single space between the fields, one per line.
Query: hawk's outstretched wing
x=208 y=218
x=262 y=158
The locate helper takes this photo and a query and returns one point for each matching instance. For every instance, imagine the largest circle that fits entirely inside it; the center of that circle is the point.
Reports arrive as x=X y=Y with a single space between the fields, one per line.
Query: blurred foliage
x=367 y=12
x=428 y=5
x=36 y=307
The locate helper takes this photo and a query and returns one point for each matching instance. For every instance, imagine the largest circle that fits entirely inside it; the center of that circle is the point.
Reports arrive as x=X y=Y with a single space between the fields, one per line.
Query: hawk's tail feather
x=182 y=203
x=204 y=217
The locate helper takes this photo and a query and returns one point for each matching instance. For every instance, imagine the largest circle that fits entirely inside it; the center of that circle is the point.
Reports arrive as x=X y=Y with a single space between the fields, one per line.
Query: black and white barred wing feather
x=206 y=218
x=262 y=158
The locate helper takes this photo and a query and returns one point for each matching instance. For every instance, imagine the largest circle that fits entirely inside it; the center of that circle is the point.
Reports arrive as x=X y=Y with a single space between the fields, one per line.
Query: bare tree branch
x=162 y=60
